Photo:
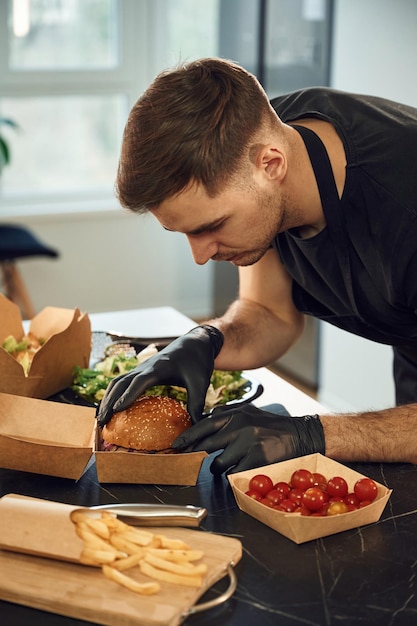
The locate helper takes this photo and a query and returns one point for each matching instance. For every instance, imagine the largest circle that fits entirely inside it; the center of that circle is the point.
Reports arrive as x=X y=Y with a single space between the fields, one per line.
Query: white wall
x=374 y=52
x=113 y=261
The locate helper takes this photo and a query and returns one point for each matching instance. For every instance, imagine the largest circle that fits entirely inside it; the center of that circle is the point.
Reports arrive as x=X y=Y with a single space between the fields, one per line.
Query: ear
x=272 y=162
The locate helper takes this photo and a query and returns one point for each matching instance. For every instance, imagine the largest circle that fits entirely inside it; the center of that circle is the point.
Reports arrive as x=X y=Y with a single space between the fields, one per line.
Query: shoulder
x=336 y=105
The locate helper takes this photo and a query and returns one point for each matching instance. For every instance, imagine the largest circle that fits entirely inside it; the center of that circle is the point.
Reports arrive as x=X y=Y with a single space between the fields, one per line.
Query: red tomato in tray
x=275 y=496
x=320 y=480
x=365 y=489
x=296 y=495
x=337 y=487
x=255 y=495
x=261 y=483
x=302 y=479
x=288 y=506
x=313 y=498
x=283 y=487
x=351 y=500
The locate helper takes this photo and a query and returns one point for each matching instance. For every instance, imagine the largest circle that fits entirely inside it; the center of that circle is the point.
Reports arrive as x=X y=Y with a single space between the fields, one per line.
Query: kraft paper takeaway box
x=66 y=342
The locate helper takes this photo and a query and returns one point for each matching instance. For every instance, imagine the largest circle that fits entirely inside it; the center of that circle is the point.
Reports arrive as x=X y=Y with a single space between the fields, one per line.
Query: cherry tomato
x=321 y=512
x=255 y=495
x=267 y=502
x=313 y=498
x=336 y=499
x=287 y=505
x=365 y=489
x=302 y=479
x=351 y=507
x=351 y=500
x=302 y=510
x=275 y=496
x=261 y=483
x=295 y=495
x=363 y=503
x=283 y=487
x=337 y=486
x=319 y=481
x=335 y=508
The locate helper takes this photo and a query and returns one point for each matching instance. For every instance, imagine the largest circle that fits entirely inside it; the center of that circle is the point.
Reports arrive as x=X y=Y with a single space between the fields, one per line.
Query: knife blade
x=138 y=514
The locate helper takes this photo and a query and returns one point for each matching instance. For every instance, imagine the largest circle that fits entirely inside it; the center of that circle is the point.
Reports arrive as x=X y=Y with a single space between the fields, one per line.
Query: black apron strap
x=321 y=166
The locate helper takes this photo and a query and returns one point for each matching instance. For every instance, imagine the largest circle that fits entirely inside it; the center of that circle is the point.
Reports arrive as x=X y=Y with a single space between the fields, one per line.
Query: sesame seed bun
x=150 y=424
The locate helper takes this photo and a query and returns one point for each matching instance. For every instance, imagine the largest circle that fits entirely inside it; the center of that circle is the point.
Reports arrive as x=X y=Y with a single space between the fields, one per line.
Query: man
x=314 y=198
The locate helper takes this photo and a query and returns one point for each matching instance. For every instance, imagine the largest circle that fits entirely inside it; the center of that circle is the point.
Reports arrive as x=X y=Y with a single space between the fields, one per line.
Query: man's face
x=237 y=225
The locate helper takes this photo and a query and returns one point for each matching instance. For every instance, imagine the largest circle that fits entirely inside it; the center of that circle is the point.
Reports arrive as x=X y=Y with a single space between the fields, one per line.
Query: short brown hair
x=193 y=123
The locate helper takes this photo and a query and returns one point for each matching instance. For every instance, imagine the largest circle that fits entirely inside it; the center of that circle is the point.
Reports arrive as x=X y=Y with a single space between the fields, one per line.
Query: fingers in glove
x=116 y=387
x=195 y=401
x=197 y=434
x=121 y=393
x=247 y=453
x=232 y=456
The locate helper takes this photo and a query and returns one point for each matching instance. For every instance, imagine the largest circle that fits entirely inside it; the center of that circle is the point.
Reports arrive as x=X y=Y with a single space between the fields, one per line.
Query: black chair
x=18 y=242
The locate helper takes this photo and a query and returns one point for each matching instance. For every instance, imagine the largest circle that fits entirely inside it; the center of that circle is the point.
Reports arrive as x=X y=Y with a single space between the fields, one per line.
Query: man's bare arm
x=388 y=436
x=263 y=323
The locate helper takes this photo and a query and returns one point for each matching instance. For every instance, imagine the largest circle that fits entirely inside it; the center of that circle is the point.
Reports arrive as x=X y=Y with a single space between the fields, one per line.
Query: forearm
x=388 y=436
x=253 y=336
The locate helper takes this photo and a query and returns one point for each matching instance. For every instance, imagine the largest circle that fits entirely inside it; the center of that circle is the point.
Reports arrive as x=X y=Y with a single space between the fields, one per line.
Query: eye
x=215 y=227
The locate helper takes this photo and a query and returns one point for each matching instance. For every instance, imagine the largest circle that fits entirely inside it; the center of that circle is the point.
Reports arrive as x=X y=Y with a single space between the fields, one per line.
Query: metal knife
x=138 y=514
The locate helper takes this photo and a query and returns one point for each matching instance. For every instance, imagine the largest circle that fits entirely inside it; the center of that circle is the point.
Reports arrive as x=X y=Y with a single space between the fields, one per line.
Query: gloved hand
x=187 y=362
x=251 y=437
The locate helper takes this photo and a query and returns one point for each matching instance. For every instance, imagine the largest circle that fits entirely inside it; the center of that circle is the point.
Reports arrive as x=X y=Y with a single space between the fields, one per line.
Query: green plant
x=4 y=145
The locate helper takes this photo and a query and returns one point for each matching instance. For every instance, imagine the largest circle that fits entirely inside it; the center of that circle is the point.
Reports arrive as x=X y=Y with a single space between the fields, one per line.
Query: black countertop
x=367 y=575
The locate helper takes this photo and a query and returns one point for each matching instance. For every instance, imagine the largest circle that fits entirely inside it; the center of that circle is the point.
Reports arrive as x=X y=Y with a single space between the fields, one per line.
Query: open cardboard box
x=67 y=335
x=44 y=437
x=147 y=469
x=293 y=525
x=57 y=439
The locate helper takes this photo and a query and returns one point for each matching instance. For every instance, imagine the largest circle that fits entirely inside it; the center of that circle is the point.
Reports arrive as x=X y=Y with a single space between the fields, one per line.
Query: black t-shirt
x=360 y=272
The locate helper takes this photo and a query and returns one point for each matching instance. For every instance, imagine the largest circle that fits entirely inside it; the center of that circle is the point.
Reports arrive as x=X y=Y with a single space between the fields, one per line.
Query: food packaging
x=300 y=528
x=147 y=469
x=45 y=437
x=38 y=527
x=57 y=439
x=67 y=335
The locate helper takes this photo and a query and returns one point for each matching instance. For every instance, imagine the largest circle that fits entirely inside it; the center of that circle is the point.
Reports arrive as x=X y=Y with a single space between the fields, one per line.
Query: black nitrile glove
x=187 y=362
x=251 y=437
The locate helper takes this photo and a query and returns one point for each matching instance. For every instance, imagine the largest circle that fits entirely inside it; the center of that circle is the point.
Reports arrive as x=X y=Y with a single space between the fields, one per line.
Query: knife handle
x=138 y=514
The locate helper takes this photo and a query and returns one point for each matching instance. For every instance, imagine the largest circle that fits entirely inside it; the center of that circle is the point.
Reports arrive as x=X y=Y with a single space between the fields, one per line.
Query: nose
x=201 y=248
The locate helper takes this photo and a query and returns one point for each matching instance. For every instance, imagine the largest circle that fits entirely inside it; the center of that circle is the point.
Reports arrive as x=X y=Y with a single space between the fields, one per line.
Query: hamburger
x=150 y=424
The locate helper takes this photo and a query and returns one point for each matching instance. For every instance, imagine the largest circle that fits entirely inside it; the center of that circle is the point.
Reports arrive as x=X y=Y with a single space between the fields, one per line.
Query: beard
x=269 y=220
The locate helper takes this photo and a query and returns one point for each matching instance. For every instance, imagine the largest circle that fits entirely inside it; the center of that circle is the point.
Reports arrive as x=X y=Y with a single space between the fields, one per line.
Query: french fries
x=116 y=547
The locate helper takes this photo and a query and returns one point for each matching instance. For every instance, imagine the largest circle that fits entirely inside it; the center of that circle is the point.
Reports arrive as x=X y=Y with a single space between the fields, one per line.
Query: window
x=70 y=70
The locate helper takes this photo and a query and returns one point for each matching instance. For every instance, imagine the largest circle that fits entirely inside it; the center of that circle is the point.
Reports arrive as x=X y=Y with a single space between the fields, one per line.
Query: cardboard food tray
x=57 y=439
x=147 y=469
x=296 y=527
x=67 y=335
x=83 y=592
x=44 y=437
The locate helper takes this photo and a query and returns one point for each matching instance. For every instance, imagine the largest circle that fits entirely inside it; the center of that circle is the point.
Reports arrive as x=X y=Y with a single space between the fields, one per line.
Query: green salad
x=91 y=383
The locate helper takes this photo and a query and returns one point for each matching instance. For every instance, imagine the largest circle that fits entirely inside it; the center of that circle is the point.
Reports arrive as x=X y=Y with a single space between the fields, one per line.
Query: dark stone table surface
x=362 y=576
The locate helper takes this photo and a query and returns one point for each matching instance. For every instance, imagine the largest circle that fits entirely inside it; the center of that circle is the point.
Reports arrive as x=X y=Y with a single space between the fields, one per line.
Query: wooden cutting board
x=84 y=593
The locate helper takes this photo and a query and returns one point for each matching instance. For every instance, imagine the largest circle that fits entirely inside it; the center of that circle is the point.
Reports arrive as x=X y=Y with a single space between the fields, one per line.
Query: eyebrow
x=201 y=229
